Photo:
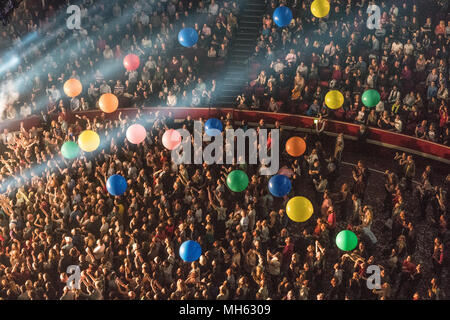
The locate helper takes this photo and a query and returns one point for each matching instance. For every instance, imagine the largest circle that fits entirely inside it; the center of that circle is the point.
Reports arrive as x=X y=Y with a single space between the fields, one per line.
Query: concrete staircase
x=236 y=72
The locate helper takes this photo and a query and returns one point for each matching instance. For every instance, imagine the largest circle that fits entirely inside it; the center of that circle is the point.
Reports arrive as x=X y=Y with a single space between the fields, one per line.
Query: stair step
x=249 y=22
x=250 y=17
x=256 y=3
x=235 y=71
x=252 y=34
x=231 y=93
x=244 y=43
x=229 y=98
x=240 y=62
x=254 y=11
x=235 y=78
x=231 y=85
x=238 y=55
x=230 y=77
x=245 y=38
x=246 y=50
x=231 y=82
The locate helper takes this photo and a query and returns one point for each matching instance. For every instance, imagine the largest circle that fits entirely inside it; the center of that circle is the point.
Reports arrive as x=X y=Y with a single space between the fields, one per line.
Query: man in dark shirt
x=335 y=292
x=189 y=124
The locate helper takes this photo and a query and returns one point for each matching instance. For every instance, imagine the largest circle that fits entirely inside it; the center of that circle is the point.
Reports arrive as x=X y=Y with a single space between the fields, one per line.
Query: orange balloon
x=296 y=146
x=108 y=102
x=72 y=88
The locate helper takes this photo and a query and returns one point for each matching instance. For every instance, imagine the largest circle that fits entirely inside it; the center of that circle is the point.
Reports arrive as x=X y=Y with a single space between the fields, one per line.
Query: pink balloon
x=131 y=62
x=286 y=172
x=136 y=133
x=171 y=139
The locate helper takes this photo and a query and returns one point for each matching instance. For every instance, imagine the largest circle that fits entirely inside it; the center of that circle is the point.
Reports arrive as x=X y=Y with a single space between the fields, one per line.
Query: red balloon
x=131 y=62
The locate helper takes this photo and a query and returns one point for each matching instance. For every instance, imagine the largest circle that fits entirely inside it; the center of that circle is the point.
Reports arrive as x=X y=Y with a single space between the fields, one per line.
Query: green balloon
x=370 y=98
x=70 y=149
x=346 y=240
x=237 y=180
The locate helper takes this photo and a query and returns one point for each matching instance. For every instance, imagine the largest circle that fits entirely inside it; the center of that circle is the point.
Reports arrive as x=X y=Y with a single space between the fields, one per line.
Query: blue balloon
x=280 y=185
x=116 y=185
x=187 y=37
x=213 y=127
x=190 y=251
x=282 y=16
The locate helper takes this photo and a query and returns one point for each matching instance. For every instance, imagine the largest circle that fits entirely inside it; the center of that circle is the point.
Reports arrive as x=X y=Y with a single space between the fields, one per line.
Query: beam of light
x=108 y=68
x=64 y=54
x=105 y=66
x=44 y=169
x=9 y=62
x=61 y=50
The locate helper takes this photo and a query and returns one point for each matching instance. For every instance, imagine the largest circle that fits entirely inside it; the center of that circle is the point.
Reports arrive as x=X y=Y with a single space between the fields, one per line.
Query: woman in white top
x=108 y=53
x=171 y=99
x=25 y=110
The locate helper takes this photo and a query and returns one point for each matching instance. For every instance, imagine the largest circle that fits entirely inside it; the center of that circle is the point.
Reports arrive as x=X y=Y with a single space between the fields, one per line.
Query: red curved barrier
x=376 y=136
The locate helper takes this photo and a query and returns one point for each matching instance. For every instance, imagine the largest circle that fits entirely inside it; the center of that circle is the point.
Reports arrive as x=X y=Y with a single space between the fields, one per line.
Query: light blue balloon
x=187 y=37
x=190 y=251
x=213 y=127
x=282 y=16
x=116 y=185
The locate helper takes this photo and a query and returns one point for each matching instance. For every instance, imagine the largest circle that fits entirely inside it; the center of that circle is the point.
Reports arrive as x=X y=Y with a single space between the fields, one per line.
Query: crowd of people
x=48 y=54
x=406 y=61
x=56 y=213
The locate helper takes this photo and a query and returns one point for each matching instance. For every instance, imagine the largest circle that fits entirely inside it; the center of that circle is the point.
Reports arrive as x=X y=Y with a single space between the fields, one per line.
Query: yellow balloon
x=121 y=209
x=320 y=8
x=88 y=140
x=334 y=99
x=299 y=209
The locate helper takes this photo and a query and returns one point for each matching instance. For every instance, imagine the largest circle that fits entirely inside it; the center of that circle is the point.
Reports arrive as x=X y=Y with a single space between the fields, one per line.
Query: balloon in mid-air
x=213 y=127
x=116 y=185
x=320 y=8
x=171 y=139
x=279 y=185
x=108 y=102
x=131 y=62
x=282 y=16
x=187 y=37
x=190 y=251
x=136 y=133
x=334 y=99
x=70 y=150
x=299 y=209
x=237 y=180
x=295 y=146
x=72 y=87
x=88 y=140
x=370 y=98
x=346 y=240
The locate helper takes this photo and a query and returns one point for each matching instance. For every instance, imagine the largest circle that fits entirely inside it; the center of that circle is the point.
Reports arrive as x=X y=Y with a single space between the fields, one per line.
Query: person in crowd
x=57 y=212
